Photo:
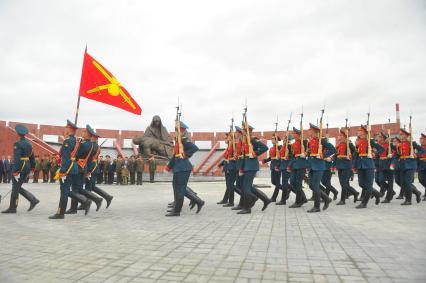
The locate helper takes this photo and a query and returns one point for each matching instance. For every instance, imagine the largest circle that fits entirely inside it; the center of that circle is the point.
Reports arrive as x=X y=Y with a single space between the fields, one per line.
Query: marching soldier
x=238 y=167
x=297 y=166
x=408 y=165
x=422 y=164
x=397 y=173
x=84 y=152
x=182 y=167
x=386 y=167
x=23 y=164
x=228 y=165
x=274 y=166
x=285 y=154
x=93 y=168
x=68 y=173
x=365 y=165
x=345 y=152
x=252 y=148
x=320 y=151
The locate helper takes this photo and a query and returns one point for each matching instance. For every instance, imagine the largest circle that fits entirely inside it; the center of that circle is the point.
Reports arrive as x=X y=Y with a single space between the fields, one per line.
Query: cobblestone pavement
x=132 y=241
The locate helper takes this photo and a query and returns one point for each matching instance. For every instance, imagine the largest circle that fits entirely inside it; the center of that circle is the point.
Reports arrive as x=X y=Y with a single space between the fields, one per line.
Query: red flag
x=97 y=83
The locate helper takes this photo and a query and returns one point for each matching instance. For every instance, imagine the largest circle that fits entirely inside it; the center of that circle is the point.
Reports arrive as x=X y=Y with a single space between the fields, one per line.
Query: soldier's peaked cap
x=404 y=131
x=21 y=129
x=71 y=125
x=90 y=130
x=296 y=130
x=314 y=127
x=183 y=125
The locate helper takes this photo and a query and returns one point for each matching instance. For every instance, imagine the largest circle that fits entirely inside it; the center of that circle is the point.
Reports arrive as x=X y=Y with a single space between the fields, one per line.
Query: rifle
x=276 y=139
x=411 y=139
x=369 y=151
x=233 y=144
x=246 y=126
x=178 y=137
x=348 y=149
x=389 y=140
x=319 y=153
x=302 y=145
x=287 y=138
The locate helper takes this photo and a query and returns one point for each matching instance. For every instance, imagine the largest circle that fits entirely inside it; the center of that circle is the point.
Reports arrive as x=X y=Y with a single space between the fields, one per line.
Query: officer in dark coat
x=251 y=151
x=365 y=166
x=84 y=152
x=297 y=166
x=181 y=168
x=93 y=168
x=317 y=159
x=344 y=166
x=23 y=164
x=408 y=165
x=422 y=164
x=69 y=173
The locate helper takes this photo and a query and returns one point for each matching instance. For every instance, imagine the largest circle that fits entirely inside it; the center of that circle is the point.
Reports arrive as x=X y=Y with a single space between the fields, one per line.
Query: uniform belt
x=72 y=158
x=422 y=158
x=342 y=156
x=94 y=159
x=25 y=158
x=297 y=155
x=363 y=155
x=285 y=158
x=406 y=157
x=384 y=158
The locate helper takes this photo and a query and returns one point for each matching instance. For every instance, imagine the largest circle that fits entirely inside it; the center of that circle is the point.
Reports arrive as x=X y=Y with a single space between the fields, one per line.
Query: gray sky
x=213 y=54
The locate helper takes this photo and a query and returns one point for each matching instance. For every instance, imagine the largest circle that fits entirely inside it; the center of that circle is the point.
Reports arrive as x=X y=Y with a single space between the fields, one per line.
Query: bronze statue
x=156 y=140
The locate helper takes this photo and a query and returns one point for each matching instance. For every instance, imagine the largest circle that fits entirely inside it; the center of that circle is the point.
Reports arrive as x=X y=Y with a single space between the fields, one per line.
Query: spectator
x=139 y=170
x=119 y=163
x=131 y=166
x=100 y=176
x=37 y=169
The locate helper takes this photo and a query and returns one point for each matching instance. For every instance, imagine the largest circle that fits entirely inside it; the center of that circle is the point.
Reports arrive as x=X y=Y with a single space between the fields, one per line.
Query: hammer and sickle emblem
x=113 y=88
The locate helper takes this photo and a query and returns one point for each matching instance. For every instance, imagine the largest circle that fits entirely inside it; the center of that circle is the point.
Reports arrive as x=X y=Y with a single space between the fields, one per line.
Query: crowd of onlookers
x=121 y=171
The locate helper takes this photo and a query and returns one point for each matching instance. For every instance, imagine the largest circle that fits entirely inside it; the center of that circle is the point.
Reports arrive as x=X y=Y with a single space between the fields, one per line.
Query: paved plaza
x=132 y=241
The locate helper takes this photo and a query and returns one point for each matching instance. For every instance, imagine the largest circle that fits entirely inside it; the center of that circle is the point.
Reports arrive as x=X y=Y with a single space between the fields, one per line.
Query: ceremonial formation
x=374 y=158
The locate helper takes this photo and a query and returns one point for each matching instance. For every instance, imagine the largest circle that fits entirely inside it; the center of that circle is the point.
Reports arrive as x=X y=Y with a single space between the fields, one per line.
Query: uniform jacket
x=23 y=157
x=252 y=163
x=405 y=162
x=68 y=164
x=178 y=164
x=298 y=162
x=342 y=160
x=318 y=163
x=362 y=160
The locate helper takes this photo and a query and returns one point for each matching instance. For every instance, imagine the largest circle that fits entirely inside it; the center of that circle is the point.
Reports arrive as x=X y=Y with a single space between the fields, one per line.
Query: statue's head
x=156 y=121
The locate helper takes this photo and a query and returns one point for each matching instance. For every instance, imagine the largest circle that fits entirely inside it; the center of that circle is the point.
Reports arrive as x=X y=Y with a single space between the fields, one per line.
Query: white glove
x=302 y=155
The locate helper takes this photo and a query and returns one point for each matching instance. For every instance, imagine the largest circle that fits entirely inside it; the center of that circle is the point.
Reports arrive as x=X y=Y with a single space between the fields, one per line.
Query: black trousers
x=132 y=178
x=139 y=178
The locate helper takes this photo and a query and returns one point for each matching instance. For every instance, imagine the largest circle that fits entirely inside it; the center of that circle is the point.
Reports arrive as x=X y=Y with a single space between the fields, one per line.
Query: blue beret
x=71 y=125
x=296 y=130
x=238 y=129
x=404 y=131
x=312 y=126
x=183 y=125
x=21 y=129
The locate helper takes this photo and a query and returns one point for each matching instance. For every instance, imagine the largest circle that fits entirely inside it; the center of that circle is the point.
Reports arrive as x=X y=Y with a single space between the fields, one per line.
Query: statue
x=156 y=141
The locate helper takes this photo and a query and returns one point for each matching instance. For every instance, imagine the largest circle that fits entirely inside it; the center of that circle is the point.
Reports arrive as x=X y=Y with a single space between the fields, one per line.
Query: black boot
x=334 y=191
x=316 y=207
x=376 y=194
x=225 y=198
x=262 y=196
x=283 y=200
x=103 y=194
x=275 y=194
x=382 y=190
x=81 y=199
x=401 y=193
x=364 y=201
x=418 y=194
x=73 y=208
x=303 y=198
x=93 y=197
x=245 y=204
x=326 y=200
x=297 y=203
x=177 y=209
x=61 y=209
x=342 y=197
x=195 y=199
x=9 y=210
x=407 y=199
x=30 y=197
x=240 y=203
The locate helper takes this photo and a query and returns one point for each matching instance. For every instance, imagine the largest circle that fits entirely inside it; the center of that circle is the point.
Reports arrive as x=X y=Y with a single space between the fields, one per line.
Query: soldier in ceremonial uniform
x=182 y=167
x=326 y=185
x=297 y=167
x=422 y=164
x=274 y=166
x=68 y=173
x=365 y=166
x=93 y=168
x=285 y=154
x=345 y=152
x=84 y=152
x=397 y=174
x=238 y=166
x=229 y=166
x=23 y=164
x=251 y=148
x=386 y=168
x=317 y=166
x=408 y=165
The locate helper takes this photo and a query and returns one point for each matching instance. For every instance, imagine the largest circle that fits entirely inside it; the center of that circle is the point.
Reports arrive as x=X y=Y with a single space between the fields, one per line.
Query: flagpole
x=78 y=99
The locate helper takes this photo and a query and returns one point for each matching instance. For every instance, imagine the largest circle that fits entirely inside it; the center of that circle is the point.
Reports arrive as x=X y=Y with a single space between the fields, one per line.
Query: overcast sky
x=352 y=55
